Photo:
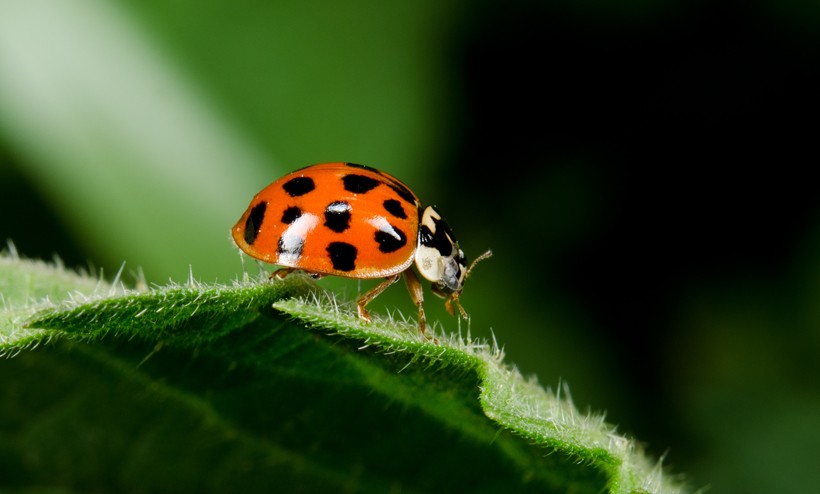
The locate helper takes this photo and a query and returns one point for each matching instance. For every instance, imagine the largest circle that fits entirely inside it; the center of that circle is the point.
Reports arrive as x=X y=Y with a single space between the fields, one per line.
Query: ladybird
x=344 y=219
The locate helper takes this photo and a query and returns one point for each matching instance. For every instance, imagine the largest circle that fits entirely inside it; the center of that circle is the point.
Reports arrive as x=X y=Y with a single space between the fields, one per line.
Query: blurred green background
x=643 y=172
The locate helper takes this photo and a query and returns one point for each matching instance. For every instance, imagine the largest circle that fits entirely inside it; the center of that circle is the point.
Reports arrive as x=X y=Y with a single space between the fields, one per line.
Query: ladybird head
x=440 y=260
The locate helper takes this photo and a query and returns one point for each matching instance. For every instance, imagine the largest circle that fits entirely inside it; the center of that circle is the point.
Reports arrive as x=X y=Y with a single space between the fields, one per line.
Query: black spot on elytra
x=342 y=255
x=299 y=186
x=391 y=241
x=254 y=222
x=393 y=183
x=359 y=184
x=394 y=207
x=290 y=245
x=403 y=192
x=337 y=216
x=291 y=214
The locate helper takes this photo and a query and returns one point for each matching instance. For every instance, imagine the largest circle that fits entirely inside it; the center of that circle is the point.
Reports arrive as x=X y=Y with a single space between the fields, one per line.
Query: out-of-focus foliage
x=147 y=128
x=639 y=171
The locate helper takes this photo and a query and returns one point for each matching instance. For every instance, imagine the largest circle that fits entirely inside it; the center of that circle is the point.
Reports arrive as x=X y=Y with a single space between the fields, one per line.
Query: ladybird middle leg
x=373 y=293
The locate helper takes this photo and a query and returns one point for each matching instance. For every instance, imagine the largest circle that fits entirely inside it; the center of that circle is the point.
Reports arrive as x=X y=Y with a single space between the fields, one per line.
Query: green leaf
x=274 y=385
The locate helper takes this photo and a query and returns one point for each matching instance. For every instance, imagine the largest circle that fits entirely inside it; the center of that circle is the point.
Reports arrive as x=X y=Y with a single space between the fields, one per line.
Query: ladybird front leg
x=373 y=293
x=452 y=303
x=417 y=294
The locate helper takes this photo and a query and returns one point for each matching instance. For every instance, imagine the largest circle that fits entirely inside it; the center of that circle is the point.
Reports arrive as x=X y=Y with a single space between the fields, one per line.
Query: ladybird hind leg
x=417 y=294
x=280 y=274
x=373 y=293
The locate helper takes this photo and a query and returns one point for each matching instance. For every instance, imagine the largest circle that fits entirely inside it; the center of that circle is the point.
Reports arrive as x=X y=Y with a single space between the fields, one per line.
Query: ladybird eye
x=451 y=278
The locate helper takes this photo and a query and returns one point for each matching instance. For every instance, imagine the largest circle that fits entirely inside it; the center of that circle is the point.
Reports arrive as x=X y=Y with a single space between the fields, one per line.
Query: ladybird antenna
x=483 y=256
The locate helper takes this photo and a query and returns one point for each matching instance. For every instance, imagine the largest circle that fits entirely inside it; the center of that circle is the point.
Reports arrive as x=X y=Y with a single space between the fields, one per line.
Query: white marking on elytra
x=294 y=237
x=338 y=207
x=381 y=224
